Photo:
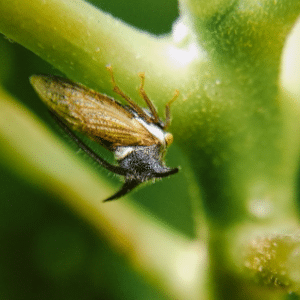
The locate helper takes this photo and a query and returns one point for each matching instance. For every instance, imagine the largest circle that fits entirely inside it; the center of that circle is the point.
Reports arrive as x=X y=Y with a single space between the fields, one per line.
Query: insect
x=136 y=136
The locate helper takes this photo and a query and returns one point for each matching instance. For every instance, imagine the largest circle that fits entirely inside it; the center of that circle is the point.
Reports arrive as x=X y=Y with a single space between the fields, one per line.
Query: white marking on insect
x=121 y=152
x=154 y=129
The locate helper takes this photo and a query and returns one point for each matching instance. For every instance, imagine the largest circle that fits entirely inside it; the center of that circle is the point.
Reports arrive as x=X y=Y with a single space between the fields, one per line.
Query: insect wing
x=98 y=116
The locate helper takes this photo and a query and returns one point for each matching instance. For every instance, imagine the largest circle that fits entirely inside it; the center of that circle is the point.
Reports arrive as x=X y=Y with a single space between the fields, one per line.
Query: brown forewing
x=94 y=114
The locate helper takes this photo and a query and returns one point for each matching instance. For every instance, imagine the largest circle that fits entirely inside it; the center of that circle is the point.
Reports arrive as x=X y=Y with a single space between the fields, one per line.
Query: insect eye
x=169 y=138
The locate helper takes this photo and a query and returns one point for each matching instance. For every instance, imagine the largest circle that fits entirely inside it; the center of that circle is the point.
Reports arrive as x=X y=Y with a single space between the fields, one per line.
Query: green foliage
x=215 y=228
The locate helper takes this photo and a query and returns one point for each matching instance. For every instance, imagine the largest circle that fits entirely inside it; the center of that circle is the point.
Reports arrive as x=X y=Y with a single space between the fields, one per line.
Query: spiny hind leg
x=168 y=112
x=117 y=90
x=150 y=104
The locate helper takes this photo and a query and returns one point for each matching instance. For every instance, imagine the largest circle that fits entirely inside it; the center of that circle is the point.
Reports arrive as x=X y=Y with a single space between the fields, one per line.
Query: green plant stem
x=74 y=35
x=235 y=123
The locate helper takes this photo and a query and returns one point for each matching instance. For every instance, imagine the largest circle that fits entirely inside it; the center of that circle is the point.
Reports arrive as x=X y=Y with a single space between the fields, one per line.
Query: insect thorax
x=143 y=162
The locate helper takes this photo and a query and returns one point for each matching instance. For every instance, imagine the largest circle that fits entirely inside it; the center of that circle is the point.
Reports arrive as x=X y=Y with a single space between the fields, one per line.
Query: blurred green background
x=47 y=252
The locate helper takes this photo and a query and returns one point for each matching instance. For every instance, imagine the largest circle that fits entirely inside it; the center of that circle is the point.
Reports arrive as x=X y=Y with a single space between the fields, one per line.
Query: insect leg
x=168 y=112
x=112 y=168
x=126 y=188
x=143 y=94
x=117 y=90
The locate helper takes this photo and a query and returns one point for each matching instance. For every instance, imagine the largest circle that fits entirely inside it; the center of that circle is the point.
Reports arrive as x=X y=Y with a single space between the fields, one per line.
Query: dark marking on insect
x=136 y=136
